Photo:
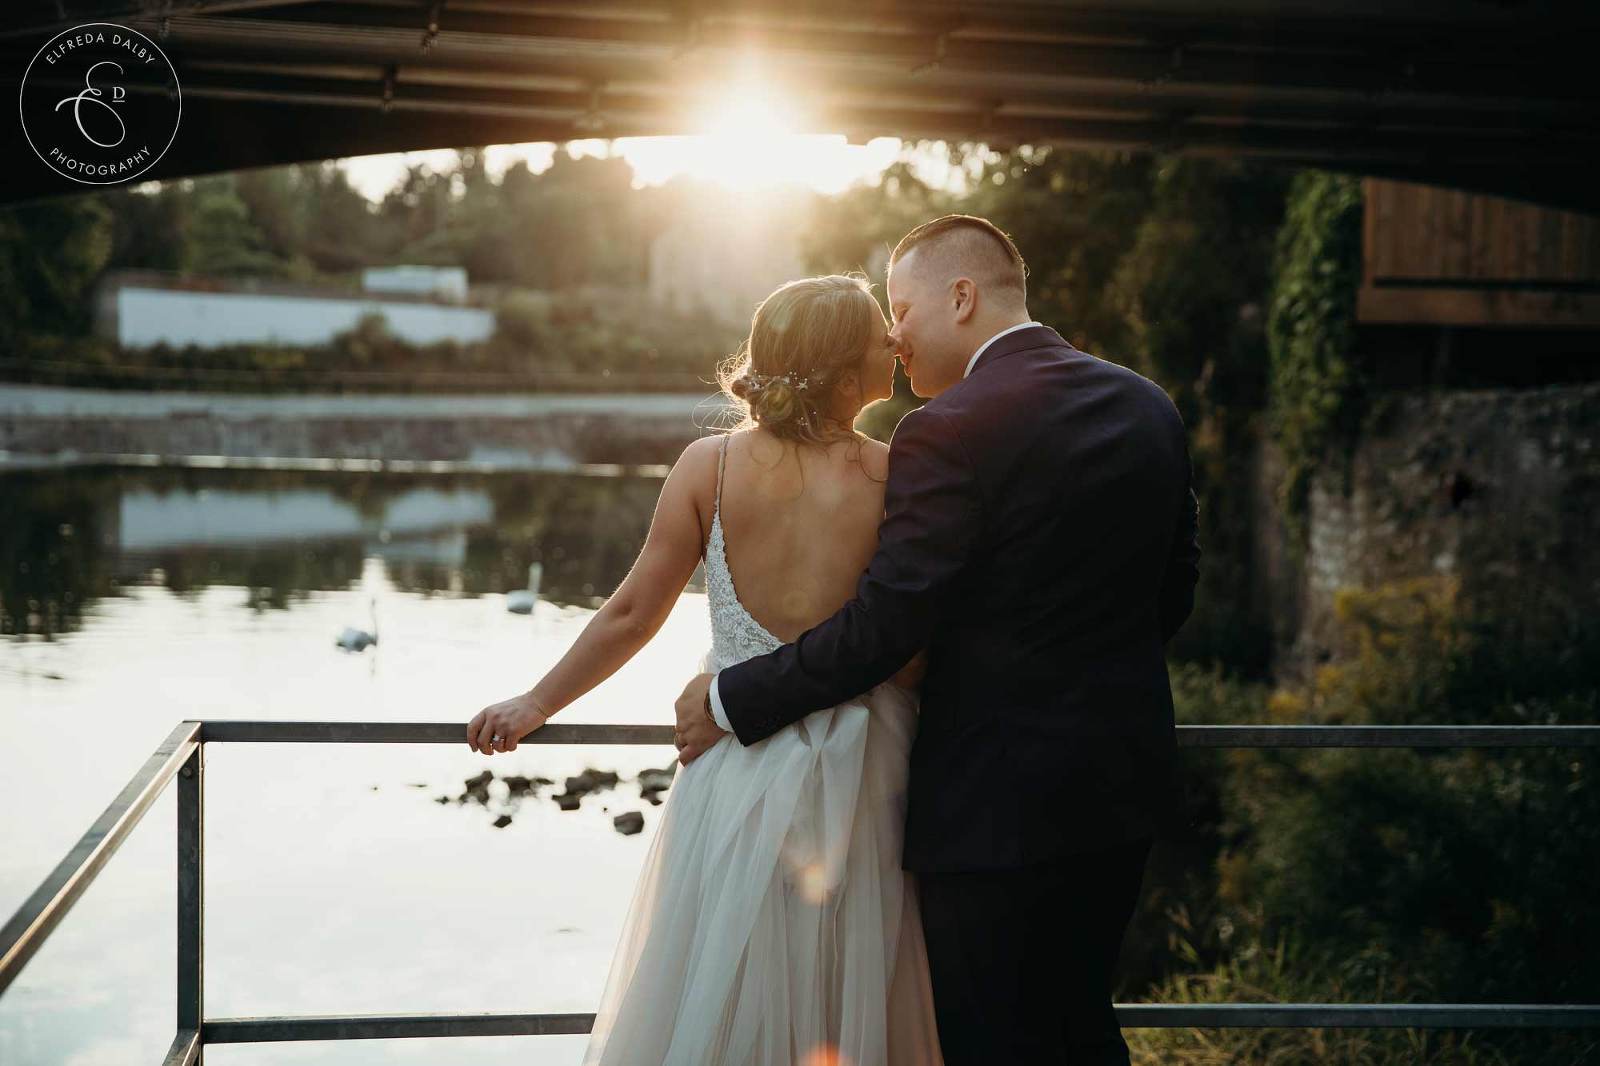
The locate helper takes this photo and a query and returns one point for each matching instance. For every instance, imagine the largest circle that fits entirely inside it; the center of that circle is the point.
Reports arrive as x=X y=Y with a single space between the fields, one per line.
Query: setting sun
x=749 y=114
x=744 y=136
x=826 y=163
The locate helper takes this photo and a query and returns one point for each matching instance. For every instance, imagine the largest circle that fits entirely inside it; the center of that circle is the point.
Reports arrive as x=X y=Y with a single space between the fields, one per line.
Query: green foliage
x=1074 y=216
x=857 y=229
x=542 y=340
x=578 y=230
x=368 y=343
x=150 y=226
x=1285 y=971
x=607 y=331
x=1448 y=875
x=1191 y=285
x=1315 y=384
x=50 y=254
x=224 y=239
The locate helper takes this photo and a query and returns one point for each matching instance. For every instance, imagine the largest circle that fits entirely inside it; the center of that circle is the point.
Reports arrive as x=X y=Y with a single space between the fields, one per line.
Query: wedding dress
x=772 y=924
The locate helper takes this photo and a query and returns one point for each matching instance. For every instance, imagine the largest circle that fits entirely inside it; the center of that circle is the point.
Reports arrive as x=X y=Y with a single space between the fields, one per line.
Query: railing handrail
x=238 y=731
x=43 y=910
x=181 y=751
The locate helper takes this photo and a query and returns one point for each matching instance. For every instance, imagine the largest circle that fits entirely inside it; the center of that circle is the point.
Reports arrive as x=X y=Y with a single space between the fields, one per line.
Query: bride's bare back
x=801 y=524
x=800 y=518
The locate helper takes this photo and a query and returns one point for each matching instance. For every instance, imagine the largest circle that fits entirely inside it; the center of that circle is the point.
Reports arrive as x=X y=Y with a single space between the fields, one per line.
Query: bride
x=772 y=924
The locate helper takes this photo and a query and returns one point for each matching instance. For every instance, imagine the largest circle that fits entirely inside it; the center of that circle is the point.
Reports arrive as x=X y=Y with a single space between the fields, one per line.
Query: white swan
x=352 y=639
x=521 y=601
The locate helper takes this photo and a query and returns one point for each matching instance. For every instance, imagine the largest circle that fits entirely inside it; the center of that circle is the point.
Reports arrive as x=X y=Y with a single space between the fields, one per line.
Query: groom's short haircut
x=957 y=245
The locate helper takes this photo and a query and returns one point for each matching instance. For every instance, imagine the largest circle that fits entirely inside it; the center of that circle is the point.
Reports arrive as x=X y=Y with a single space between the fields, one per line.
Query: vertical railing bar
x=33 y=922
x=191 y=897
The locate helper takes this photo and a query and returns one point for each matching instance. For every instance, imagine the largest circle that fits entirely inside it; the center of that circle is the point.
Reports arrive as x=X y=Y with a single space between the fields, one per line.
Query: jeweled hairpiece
x=757 y=382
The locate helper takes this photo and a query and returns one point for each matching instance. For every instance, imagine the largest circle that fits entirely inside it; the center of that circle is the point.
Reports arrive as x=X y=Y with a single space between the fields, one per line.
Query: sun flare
x=750 y=115
x=741 y=135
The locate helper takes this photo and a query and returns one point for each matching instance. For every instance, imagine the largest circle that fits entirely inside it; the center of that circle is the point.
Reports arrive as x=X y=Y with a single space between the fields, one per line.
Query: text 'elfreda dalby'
x=134 y=47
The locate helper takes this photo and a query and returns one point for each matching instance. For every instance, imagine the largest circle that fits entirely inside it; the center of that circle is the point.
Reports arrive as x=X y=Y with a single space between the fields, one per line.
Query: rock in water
x=654 y=782
x=520 y=785
x=477 y=788
x=591 y=781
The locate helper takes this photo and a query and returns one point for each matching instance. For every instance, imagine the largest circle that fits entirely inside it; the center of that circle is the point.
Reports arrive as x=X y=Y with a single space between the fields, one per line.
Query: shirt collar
x=985 y=345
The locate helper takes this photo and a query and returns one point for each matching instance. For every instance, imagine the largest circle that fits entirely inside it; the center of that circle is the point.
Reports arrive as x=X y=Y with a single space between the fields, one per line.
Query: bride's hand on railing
x=499 y=726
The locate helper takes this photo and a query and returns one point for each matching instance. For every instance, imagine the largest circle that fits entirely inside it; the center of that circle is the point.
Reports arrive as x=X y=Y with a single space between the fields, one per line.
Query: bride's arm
x=635 y=612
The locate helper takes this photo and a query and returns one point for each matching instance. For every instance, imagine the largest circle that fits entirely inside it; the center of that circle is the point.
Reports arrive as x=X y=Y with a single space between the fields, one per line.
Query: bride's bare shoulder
x=697 y=468
x=875 y=459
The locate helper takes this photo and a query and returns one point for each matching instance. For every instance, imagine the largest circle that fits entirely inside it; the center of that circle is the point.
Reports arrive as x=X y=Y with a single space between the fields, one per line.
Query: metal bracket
x=689 y=16
x=1175 y=64
x=1171 y=138
x=431 y=33
x=941 y=48
x=591 y=120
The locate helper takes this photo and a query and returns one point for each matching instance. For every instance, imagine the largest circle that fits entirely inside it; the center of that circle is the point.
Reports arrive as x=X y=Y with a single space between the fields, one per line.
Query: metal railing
x=180 y=757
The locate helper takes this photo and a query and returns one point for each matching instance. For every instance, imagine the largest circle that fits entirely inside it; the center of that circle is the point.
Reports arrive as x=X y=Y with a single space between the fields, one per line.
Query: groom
x=1039 y=539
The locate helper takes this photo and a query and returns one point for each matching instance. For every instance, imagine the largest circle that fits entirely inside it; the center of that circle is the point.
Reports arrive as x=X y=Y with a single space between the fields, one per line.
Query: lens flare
x=825 y=1055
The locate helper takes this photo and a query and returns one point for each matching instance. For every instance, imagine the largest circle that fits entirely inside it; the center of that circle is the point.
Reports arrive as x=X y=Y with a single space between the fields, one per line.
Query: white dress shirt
x=717 y=712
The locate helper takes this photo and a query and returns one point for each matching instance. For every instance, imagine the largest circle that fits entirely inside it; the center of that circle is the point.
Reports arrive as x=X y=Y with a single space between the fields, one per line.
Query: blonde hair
x=804 y=339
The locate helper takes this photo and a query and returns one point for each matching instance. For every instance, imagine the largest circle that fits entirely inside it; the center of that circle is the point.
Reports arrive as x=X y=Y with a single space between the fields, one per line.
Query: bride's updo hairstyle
x=803 y=340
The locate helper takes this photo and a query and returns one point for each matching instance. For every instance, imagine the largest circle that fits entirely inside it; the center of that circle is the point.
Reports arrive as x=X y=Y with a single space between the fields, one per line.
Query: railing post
x=191 y=898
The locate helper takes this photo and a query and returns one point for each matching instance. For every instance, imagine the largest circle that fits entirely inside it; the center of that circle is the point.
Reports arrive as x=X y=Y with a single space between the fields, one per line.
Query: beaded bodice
x=735 y=635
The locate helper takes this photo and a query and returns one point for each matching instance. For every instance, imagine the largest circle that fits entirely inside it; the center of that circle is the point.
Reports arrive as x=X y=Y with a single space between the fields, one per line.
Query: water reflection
x=72 y=537
x=334 y=881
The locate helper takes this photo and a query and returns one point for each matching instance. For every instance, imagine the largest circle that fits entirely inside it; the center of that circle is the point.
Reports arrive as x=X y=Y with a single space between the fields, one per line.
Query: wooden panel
x=1447 y=257
x=1423 y=233
x=1442 y=306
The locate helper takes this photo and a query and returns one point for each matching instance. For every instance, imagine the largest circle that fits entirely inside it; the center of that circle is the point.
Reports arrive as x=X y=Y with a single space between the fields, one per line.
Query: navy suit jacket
x=1039 y=539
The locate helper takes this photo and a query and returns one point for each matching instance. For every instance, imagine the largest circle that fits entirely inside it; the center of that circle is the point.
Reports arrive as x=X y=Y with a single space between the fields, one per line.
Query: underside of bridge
x=1489 y=96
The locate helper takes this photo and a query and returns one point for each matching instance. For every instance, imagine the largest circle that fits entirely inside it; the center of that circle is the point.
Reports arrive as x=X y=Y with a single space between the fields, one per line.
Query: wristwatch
x=707 y=704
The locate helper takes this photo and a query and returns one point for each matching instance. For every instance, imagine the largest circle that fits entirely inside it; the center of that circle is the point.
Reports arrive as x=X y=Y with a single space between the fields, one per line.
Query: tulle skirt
x=772 y=924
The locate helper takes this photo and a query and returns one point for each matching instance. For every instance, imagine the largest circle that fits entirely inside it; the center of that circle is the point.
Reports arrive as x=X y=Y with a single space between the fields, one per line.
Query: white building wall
x=150 y=520
x=212 y=319
x=448 y=282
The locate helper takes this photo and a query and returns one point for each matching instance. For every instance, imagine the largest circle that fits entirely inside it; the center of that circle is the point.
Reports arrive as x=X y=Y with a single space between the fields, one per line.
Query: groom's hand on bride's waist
x=696 y=730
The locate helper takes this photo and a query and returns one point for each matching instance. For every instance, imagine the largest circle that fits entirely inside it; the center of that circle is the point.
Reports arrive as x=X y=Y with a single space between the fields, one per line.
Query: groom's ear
x=965 y=294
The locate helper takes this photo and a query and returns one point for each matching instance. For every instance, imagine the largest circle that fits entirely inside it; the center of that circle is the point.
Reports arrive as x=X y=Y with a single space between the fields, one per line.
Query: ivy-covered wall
x=1315 y=387
x=1495 y=489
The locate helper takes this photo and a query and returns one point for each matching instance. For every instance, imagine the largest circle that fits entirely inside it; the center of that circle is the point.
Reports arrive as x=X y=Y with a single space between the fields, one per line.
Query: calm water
x=335 y=883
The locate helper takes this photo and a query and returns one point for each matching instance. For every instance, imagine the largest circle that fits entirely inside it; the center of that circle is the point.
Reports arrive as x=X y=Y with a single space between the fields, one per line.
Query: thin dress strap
x=722 y=461
x=716 y=506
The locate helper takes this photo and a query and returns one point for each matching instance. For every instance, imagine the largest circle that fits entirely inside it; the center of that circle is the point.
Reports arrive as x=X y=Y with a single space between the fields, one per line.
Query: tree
x=50 y=255
x=223 y=238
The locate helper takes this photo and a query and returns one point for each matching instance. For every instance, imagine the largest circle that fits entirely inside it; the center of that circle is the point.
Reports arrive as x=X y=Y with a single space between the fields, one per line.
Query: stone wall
x=548 y=432
x=1498 y=489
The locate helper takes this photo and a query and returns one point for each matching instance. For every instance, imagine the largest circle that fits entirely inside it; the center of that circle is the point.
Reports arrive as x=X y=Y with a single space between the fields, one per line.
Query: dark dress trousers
x=1039 y=539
